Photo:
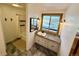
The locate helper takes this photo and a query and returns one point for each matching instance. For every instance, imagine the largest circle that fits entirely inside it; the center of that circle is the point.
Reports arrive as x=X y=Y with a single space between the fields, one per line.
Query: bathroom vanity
x=49 y=42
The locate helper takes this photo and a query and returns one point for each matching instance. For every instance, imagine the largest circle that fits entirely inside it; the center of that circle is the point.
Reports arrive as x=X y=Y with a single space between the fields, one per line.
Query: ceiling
x=22 y=5
x=49 y=6
x=52 y=6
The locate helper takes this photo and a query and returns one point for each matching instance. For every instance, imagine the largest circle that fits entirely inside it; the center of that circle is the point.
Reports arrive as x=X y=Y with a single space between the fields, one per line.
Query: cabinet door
x=53 y=46
x=75 y=48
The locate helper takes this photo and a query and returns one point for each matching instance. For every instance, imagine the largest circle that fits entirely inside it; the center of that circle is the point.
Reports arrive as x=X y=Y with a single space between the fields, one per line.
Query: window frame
x=52 y=14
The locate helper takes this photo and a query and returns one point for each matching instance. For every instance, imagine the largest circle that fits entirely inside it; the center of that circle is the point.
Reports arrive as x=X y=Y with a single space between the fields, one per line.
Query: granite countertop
x=53 y=37
x=50 y=37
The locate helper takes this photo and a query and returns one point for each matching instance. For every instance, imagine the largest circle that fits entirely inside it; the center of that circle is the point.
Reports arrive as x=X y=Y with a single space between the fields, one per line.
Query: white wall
x=36 y=10
x=69 y=29
x=2 y=42
x=10 y=29
x=29 y=35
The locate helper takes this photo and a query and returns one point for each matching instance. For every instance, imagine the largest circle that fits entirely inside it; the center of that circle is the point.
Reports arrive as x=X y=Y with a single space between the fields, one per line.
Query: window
x=50 y=22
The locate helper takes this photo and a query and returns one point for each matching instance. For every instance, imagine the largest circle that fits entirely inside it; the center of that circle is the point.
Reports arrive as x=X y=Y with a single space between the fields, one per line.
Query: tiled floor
x=20 y=45
x=35 y=52
x=12 y=50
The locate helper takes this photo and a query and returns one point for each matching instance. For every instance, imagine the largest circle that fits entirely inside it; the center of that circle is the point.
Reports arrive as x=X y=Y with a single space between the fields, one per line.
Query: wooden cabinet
x=75 y=47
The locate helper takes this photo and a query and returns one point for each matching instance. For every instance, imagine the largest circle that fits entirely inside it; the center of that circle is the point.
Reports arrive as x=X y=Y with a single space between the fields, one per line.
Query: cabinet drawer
x=41 y=41
x=53 y=43
x=54 y=46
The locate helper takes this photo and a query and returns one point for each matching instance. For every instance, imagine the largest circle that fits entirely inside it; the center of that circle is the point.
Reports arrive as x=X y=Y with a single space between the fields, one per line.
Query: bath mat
x=20 y=45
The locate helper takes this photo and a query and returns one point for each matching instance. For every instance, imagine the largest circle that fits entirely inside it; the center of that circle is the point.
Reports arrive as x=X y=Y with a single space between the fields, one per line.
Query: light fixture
x=16 y=5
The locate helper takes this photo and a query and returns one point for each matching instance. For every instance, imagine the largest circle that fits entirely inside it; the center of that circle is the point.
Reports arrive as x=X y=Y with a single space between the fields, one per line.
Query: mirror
x=33 y=24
